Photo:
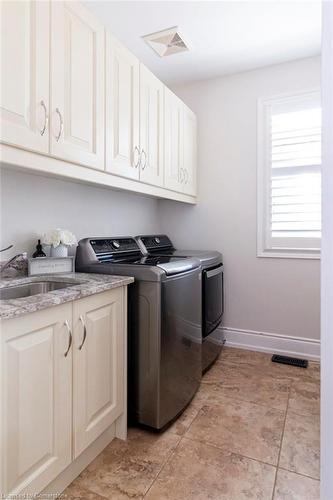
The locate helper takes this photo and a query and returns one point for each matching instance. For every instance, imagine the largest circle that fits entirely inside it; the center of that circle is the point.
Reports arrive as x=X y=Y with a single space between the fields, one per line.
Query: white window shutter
x=290 y=175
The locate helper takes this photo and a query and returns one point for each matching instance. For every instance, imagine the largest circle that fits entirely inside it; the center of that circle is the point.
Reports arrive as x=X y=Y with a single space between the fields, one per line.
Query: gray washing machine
x=164 y=336
x=212 y=290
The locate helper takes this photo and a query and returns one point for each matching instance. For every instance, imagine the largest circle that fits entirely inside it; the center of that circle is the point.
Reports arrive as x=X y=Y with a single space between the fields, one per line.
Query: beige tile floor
x=251 y=432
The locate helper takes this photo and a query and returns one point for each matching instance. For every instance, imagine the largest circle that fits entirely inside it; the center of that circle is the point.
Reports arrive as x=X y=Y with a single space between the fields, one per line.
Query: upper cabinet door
x=151 y=127
x=24 y=104
x=122 y=110
x=77 y=83
x=173 y=141
x=190 y=152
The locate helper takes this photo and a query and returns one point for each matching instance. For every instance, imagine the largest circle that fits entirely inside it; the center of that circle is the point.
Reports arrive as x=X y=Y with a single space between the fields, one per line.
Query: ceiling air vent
x=166 y=42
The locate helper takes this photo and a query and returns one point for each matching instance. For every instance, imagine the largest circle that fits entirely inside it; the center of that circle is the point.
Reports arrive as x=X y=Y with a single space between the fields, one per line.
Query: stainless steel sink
x=32 y=288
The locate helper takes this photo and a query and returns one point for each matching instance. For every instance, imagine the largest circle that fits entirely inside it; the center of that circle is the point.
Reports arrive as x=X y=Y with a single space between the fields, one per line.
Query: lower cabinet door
x=36 y=399
x=98 y=369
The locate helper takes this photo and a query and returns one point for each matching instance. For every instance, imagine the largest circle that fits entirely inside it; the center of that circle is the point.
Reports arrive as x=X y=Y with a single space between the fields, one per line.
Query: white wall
x=32 y=204
x=280 y=296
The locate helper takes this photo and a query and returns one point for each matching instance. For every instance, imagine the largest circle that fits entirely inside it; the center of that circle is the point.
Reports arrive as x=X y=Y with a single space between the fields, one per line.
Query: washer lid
x=166 y=263
x=172 y=265
x=207 y=258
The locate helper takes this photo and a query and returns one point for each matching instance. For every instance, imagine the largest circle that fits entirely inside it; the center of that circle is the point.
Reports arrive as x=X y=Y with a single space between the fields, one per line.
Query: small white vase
x=59 y=251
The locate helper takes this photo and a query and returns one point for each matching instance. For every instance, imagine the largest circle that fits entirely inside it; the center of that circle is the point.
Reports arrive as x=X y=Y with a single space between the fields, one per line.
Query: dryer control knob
x=116 y=244
x=157 y=240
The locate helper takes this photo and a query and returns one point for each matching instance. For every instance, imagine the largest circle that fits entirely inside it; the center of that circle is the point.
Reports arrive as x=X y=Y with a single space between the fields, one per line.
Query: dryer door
x=212 y=299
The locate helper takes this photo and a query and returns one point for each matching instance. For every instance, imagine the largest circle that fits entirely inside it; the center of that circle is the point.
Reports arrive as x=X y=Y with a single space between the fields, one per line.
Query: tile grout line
x=239 y=400
x=225 y=450
x=64 y=495
x=298 y=474
x=305 y=413
x=283 y=378
x=281 y=442
x=162 y=467
x=232 y=364
x=94 y=493
x=196 y=416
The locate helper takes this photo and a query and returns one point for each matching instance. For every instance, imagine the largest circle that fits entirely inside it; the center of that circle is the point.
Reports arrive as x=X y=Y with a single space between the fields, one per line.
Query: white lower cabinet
x=98 y=375
x=62 y=383
x=36 y=399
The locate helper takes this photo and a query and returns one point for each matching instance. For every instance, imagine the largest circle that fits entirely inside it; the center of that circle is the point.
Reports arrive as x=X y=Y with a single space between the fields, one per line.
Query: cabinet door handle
x=84 y=333
x=69 y=339
x=145 y=162
x=46 y=118
x=136 y=163
x=61 y=128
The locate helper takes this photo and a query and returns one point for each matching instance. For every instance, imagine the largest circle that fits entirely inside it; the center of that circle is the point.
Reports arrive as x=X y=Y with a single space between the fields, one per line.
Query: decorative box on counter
x=50 y=265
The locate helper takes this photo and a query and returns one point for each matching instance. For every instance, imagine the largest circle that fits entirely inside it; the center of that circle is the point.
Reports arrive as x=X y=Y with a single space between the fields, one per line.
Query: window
x=289 y=176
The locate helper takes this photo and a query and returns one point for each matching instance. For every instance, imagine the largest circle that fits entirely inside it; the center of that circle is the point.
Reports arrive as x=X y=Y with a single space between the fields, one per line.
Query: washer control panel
x=156 y=242
x=114 y=245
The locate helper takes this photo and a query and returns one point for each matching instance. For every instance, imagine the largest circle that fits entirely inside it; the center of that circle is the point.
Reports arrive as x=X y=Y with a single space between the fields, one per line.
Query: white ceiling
x=223 y=36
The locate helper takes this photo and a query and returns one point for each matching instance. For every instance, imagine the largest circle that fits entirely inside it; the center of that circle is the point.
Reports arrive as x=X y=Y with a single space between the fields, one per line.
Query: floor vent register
x=287 y=360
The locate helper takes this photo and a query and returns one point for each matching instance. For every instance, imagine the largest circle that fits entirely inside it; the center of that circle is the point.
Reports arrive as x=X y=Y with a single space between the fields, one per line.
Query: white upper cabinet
x=190 y=152
x=173 y=141
x=36 y=388
x=71 y=91
x=77 y=83
x=180 y=146
x=122 y=110
x=151 y=128
x=24 y=67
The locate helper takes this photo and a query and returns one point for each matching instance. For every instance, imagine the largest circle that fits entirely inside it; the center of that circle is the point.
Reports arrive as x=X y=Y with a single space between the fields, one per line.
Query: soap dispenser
x=39 y=251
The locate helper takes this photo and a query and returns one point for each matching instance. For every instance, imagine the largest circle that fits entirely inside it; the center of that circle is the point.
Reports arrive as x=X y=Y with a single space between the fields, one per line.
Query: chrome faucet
x=7 y=248
x=7 y=264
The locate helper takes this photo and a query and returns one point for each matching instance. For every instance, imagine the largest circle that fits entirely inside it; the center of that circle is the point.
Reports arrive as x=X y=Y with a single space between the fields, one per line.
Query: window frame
x=265 y=245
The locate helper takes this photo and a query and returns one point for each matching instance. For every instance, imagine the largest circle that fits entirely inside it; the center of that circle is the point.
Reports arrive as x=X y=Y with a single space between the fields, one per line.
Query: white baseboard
x=272 y=343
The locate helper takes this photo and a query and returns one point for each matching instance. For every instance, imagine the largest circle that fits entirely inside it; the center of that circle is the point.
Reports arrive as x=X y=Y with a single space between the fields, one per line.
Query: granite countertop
x=84 y=285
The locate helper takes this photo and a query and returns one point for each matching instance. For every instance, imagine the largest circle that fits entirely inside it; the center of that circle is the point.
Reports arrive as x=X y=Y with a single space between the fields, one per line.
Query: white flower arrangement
x=57 y=237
